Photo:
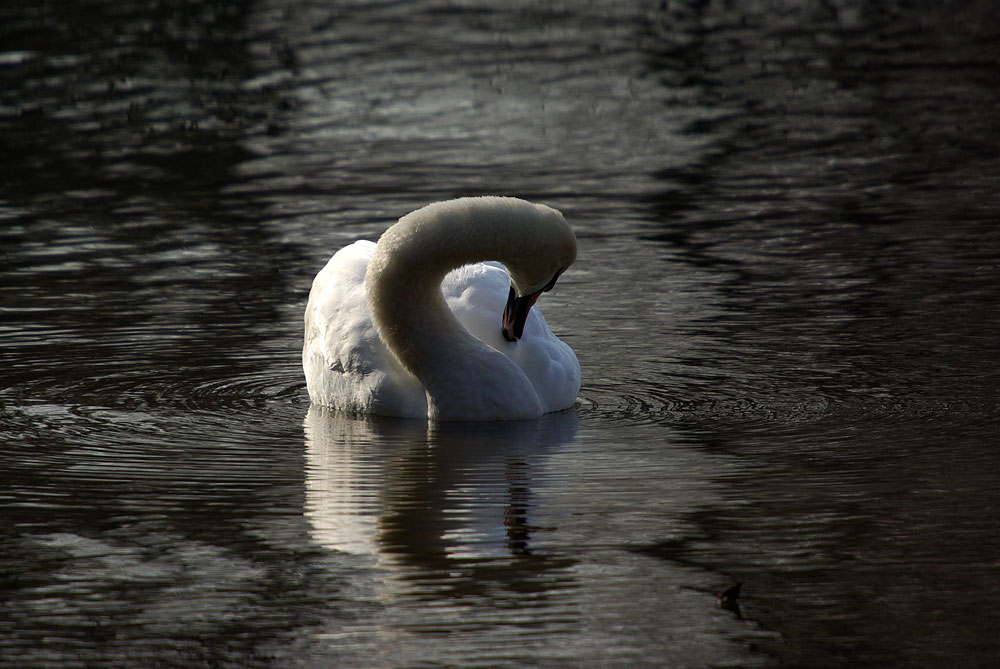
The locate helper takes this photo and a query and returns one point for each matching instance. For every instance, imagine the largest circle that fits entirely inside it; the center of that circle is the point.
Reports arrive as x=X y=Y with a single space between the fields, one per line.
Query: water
x=785 y=307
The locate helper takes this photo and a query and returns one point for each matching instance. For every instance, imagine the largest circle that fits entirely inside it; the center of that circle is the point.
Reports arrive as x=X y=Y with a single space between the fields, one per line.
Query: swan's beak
x=515 y=314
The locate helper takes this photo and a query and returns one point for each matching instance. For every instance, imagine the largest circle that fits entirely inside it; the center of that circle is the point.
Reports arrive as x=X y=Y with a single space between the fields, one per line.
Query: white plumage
x=348 y=364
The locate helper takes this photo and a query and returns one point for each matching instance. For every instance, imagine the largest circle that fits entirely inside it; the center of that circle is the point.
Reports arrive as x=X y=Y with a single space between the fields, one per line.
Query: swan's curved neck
x=403 y=286
x=408 y=309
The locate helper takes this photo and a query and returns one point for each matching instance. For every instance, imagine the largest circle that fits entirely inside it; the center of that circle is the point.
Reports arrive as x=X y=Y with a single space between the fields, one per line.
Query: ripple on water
x=146 y=444
x=645 y=402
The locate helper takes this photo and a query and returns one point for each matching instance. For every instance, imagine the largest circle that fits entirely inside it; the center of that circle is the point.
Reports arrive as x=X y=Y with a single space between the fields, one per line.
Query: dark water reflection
x=785 y=307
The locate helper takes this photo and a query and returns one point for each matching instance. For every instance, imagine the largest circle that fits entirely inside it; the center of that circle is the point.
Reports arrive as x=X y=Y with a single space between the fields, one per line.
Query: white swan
x=412 y=326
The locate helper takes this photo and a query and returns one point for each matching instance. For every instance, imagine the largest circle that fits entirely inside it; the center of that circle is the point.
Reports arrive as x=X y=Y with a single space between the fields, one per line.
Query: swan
x=425 y=323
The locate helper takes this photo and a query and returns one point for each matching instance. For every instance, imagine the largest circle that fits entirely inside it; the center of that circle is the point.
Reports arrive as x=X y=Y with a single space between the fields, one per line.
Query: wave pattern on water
x=784 y=307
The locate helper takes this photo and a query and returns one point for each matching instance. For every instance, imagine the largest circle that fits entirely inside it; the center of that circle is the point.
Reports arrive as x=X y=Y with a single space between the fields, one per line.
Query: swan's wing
x=477 y=295
x=346 y=364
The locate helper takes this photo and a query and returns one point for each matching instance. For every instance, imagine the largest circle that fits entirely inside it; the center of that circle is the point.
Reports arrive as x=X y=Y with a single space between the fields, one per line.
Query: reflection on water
x=784 y=307
x=443 y=518
x=488 y=532
x=419 y=492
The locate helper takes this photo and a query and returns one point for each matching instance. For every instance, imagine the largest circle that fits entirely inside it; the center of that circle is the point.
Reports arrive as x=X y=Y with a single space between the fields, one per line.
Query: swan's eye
x=551 y=284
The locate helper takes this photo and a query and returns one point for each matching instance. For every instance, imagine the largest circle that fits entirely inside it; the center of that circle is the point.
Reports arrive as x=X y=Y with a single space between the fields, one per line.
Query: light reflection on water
x=784 y=306
x=361 y=472
x=515 y=536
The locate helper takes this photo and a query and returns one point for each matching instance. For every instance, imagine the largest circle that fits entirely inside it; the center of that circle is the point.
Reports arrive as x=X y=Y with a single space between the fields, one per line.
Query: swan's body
x=412 y=326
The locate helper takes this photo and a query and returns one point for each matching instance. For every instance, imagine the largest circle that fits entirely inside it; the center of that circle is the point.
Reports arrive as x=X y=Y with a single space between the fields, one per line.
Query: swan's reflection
x=409 y=493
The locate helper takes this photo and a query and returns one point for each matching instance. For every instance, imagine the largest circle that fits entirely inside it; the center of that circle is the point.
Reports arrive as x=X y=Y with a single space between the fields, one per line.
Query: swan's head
x=548 y=250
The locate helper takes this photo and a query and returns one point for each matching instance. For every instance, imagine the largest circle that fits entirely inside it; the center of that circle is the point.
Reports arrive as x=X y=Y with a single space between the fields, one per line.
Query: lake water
x=785 y=307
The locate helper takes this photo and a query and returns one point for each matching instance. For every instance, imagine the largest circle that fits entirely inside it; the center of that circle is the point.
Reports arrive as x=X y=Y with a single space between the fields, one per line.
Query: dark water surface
x=785 y=307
